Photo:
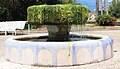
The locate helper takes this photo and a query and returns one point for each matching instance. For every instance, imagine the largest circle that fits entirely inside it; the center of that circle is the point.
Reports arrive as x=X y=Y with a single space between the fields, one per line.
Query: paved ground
x=113 y=63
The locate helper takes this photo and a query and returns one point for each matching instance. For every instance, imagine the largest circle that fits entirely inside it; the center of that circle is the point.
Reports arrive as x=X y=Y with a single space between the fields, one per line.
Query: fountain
x=58 y=47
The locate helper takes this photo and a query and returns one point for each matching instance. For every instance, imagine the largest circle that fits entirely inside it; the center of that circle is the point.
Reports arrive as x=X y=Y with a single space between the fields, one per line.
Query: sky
x=90 y=3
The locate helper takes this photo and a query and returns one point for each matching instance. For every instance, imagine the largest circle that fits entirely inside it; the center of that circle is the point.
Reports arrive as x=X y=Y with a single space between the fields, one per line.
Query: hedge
x=57 y=14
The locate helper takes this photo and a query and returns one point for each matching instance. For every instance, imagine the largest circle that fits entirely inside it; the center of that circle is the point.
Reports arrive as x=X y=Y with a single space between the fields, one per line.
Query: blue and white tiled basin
x=58 y=53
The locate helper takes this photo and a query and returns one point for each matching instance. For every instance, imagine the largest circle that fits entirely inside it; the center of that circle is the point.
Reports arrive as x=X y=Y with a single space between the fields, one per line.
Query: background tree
x=3 y=10
x=114 y=9
x=57 y=1
x=17 y=9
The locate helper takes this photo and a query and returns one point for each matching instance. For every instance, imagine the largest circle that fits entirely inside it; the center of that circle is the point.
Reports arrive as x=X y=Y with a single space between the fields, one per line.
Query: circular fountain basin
x=66 y=53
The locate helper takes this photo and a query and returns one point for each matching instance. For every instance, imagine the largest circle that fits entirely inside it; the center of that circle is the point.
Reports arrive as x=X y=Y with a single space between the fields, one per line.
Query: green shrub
x=106 y=20
x=57 y=14
x=103 y=20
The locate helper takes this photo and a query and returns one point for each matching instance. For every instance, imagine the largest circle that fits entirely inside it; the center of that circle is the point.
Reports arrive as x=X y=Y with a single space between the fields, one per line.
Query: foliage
x=3 y=3
x=114 y=9
x=2 y=14
x=17 y=9
x=3 y=10
x=58 y=14
x=49 y=2
x=106 y=20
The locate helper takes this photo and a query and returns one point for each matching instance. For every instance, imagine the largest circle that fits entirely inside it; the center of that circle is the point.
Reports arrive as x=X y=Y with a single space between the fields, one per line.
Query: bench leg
x=22 y=31
x=5 y=32
x=15 y=32
x=28 y=28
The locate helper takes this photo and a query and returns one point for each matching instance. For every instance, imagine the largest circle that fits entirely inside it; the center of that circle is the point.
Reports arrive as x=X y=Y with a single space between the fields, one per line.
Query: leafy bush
x=106 y=20
x=103 y=20
x=57 y=14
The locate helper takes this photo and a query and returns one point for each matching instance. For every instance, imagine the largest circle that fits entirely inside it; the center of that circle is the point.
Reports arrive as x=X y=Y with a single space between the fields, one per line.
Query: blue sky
x=90 y=3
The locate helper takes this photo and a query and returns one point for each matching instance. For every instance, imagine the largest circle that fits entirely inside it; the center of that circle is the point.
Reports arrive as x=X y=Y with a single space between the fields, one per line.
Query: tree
x=17 y=9
x=57 y=1
x=3 y=10
x=114 y=9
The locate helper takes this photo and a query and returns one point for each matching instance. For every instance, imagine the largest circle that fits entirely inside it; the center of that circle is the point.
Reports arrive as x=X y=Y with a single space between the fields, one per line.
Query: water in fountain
x=80 y=29
x=77 y=34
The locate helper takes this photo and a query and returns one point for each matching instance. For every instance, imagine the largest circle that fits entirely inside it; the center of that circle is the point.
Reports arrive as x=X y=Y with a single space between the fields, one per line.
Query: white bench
x=12 y=26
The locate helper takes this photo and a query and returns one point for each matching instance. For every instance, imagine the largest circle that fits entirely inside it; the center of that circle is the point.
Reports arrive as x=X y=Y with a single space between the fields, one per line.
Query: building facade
x=100 y=7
